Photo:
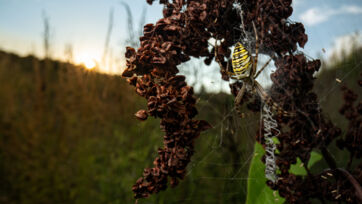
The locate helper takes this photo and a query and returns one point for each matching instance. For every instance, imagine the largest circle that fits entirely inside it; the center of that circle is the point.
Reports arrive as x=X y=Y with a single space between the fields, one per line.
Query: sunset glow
x=89 y=64
x=88 y=60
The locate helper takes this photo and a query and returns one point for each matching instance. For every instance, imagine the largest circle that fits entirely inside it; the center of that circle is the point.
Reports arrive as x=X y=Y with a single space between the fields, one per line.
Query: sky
x=83 y=25
x=328 y=23
x=80 y=23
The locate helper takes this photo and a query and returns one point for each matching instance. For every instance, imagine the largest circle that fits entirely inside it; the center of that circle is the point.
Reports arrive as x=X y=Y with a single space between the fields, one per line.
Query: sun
x=89 y=63
x=88 y=60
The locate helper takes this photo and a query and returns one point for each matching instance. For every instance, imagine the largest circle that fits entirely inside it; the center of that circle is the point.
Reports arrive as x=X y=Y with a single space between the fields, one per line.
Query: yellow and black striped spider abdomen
x=241 y=61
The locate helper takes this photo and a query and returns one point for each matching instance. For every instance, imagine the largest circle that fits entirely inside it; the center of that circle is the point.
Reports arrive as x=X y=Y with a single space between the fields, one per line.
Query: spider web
x=215 y=162
x=228 y=132
x=231 y=176
x=218 y=172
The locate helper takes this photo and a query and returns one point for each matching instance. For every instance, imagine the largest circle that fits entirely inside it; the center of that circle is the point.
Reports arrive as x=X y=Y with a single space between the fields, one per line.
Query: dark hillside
x=65 y=133
x=346 y=71
x=68 y=135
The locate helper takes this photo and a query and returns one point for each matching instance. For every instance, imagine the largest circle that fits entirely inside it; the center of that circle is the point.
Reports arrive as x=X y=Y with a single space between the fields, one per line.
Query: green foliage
x=258 y=191
x=298 y=169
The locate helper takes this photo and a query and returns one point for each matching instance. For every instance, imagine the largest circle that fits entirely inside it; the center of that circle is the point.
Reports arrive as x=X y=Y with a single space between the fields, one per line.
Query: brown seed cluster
x=275 y=32
x=152 y=68
x=171 y=100
x=309 y=130
x=184 y=32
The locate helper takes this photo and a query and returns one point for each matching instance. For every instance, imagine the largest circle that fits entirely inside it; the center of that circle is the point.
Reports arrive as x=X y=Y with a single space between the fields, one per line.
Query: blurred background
x=67 y=130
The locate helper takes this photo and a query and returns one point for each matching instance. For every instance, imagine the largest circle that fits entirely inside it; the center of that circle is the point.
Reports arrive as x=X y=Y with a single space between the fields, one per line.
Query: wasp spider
x=244 y=67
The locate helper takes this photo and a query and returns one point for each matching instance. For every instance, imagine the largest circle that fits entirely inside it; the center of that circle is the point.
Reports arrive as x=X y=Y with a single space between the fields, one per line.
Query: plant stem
x=329 y=158
x=350 y=161
x=354 y=182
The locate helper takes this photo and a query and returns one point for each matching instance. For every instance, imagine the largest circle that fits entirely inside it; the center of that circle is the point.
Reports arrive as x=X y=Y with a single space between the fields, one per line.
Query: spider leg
x=255 y=64
x=263 y=95
x=215 y=51
x=269 y=101
x=216 y=54
x=265 y=65
x=218 y=61
x=240 y=94
x=231 y=74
